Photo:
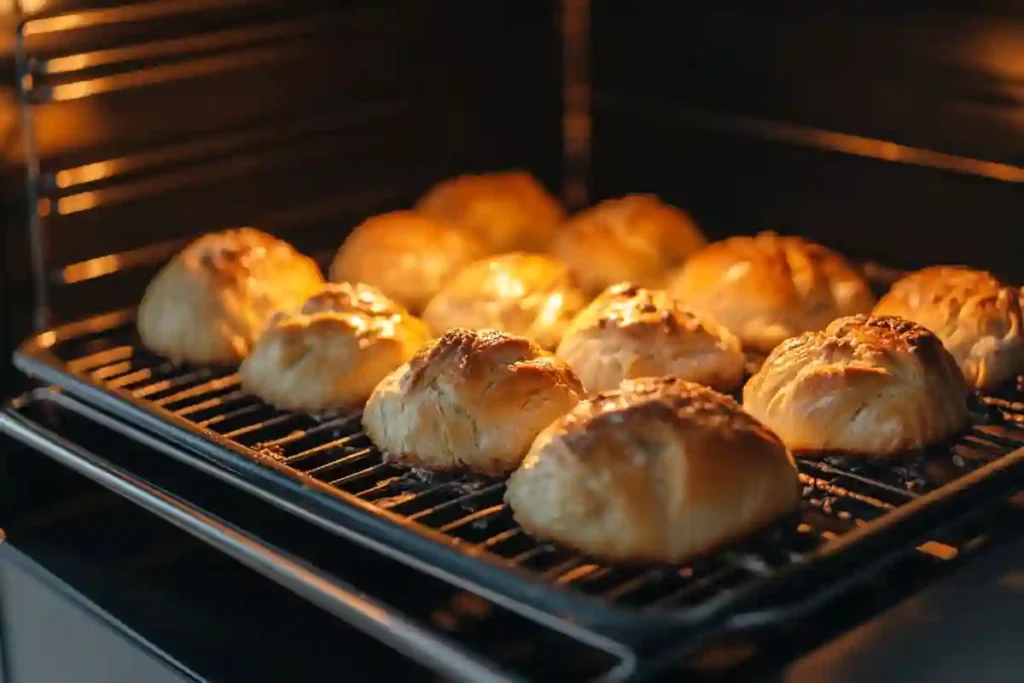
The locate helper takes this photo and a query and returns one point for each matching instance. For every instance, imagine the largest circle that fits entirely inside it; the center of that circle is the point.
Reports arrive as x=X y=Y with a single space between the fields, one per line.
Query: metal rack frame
x=735 y=590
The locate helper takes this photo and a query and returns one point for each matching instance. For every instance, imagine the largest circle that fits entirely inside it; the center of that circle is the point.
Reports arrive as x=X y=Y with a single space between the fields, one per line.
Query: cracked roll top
x=407 y=255
x=213 y=300
x=630 y=332
x=472 y=400
x=865 y=385
x=768 y=288
x=978 y=319
x=528 y=294
x=656 y=471
x=332 y=352
x=636 y=238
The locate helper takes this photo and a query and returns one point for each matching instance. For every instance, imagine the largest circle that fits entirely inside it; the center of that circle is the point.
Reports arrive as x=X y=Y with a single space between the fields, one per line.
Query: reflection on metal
x=154 y=9
x=77 y=202
x=244 y=163
x=825 y=140
x=155 y=254
x=170 y=72
x=111 y=263
x=85 y=174
x=203 y=150
x=179 y=46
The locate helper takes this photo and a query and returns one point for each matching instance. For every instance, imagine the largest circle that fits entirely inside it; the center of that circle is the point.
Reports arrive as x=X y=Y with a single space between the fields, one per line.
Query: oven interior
x=892 y=135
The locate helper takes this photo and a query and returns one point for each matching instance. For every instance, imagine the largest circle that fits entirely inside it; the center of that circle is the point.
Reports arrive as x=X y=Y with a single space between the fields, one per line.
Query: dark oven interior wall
x=688 y=100
x=155 y=122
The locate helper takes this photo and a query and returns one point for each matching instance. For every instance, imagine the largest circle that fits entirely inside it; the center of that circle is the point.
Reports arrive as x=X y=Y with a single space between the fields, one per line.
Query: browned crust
x=656 y=398
x=473 y=351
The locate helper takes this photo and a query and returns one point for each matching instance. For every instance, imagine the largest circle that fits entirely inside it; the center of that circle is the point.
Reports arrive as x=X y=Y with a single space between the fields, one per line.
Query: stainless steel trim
x=36 y=236
x=576 y=125
x=344 y=601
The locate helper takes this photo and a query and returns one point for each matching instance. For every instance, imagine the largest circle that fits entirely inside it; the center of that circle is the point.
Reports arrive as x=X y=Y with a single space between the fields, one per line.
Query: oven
x=164 y=517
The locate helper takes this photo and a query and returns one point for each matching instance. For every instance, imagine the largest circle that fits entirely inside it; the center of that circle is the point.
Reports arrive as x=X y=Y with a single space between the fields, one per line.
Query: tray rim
x=342 y=513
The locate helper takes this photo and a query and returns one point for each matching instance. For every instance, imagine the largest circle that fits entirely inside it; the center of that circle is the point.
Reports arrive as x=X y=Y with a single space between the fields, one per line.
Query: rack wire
x=467 y=514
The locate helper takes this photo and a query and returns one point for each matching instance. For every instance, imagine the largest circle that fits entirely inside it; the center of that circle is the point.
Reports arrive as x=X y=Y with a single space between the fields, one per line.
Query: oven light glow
x=52 y=24
x=76 y=202
x=93 y=268
x=85 y=174
x=59 y=65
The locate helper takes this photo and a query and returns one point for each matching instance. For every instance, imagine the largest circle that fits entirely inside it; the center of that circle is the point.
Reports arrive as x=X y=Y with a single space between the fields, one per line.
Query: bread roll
x=768 y=288
x=977 y=318
x=213 y=300
x=865 y=385
x=657 y=471
x=510 y=210
x=407 y=255
x=332 y=352
x=528 y=294
x=630 y=332
x=636 y=238
x=473 y=400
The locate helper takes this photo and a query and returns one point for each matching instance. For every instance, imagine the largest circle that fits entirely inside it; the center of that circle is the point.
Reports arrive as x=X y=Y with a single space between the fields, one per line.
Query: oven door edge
x=327 y=592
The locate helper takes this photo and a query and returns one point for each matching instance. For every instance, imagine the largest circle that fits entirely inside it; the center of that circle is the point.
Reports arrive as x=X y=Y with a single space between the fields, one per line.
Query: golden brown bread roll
x=509 y=210
x=332 y=352
x=978 y=319
x=473 y=400
x=636 y=238
x=528 y=294
x=630 y=332
x=213 y=300
x=768 y=288
x=865 y=385
x=657 y=471
x=407 y=255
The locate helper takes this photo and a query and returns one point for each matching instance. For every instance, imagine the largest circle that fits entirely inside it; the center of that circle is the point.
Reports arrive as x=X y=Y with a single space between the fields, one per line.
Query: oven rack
x=855 y=516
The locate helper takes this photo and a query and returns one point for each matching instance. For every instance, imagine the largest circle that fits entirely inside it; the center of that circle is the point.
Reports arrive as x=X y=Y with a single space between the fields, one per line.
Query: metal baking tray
x=856 y=517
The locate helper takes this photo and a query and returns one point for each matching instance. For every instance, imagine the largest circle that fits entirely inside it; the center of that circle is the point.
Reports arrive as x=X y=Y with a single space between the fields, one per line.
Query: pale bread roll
x=636 y=238
x=213 y=300
x=532 y=295
x=864 y=385
x=978 y=319
x=630 y=332
x=407 y=255
x=473 y=400
x=509 y=210
x=769 y=288
x=332 y=352
x=659 y=470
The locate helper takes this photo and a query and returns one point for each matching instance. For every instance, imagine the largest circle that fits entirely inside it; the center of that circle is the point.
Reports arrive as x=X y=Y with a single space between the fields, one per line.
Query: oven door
x=144 y=569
